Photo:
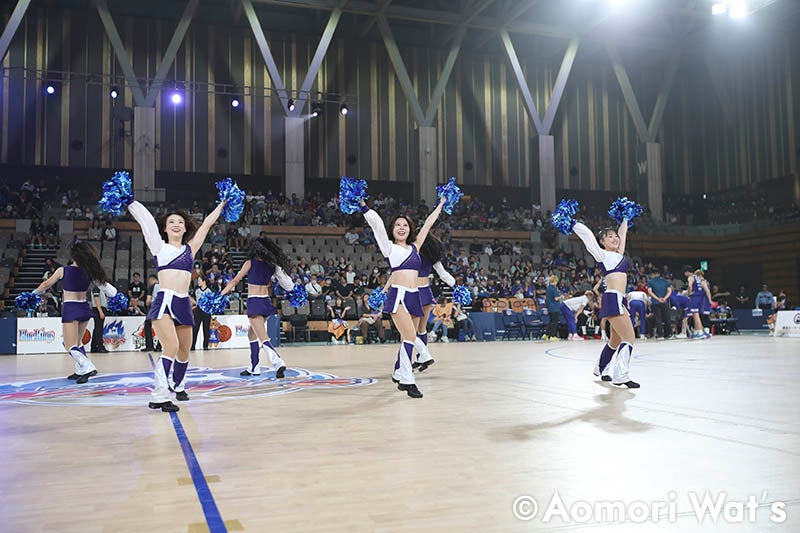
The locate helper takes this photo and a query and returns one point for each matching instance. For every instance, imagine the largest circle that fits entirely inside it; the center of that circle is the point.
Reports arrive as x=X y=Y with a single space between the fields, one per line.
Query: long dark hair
x=188 y=220
x=266 y=250
x=432 y=249
x=84 y=255
x=412 y=231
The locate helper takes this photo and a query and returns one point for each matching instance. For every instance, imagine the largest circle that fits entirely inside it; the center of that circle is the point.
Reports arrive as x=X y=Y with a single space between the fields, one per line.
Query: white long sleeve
x=444 y=275
x=376 y=223
x=590 y=241
x=149 y=227
x=283 y=279
x=108 y=289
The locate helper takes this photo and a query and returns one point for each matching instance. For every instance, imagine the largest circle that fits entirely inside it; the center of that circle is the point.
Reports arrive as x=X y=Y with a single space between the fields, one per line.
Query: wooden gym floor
x=500 y=422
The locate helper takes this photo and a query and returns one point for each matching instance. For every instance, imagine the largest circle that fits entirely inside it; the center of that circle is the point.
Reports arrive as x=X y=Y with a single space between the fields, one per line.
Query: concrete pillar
x=295 y=176
x=547 y=173
x=428 y=165
x=144 y=155
x=655 y=185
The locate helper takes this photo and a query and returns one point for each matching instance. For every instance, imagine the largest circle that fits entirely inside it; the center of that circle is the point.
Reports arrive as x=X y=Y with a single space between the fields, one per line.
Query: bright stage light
x=176 y=98
x=235 y=102
x=50 y=89
x=343 y=109
x=114 y=92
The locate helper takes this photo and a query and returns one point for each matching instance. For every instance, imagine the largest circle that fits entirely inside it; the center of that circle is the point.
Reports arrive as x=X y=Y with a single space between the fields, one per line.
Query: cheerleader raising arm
x=238 y=278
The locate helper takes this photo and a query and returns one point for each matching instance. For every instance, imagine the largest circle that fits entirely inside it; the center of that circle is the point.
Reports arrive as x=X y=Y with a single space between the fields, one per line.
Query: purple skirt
x=613 y=304
x=426 y=295
x=257 y=306
x=178 y=307
x=401 y=295
x=76 y=312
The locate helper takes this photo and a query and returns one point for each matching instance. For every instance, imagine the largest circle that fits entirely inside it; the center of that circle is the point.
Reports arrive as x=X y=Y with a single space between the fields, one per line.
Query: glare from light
x=617 y=3
x=176 y=98
x=235 y=102
x=50 y=89
x=290 y=104
x=343 y=109
x=314 y=113
x=114 y=92
x=719 y=8
x=738 y=10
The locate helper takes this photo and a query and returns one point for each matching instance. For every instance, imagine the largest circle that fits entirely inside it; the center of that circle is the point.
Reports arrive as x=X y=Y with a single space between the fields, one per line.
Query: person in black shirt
x=137 y=291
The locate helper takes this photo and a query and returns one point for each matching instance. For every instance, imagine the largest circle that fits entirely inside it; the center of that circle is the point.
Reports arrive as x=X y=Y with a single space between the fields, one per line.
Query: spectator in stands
x=110 y=232
x=217 y=236
x=765 y=300
x=442 y=318
x=368 y=320
x=315 y=267
x=52 y=231
x=719 y=296
x=351 y=236
x=95 y=232
x=375 y=279
x=136 y=292
x=313 y=288
x=463 y=322
x=37 y=233
x=244 y=235
x=338 y=326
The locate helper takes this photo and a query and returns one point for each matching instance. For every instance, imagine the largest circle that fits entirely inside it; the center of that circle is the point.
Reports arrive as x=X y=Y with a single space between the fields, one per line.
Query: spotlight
x=290 y=104
x=114 y=92
x=50 y=89
x=719 y=8
x=235 y=102
x=176 y=98
x=316 y=109
x=738 y=10
x=343 y=109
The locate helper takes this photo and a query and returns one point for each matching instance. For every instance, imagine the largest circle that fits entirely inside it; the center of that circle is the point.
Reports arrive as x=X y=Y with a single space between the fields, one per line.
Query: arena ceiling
x=646 y=31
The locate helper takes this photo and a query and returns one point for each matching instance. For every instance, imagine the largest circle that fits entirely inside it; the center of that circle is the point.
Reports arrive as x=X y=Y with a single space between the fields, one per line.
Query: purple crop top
x=260 y=272
x=621 y=266
x=184 y=261
x=412 y=262
x=74 y=279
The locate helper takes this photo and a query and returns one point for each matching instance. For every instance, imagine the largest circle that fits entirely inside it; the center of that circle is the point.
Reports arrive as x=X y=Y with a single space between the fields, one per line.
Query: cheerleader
x=637 y=301
x=83 y=270
x=571 y=308
x=265 y=260
x=403 y=300
x=698 y=294
x=430 y=255
x=173 y=241
x=612 y=262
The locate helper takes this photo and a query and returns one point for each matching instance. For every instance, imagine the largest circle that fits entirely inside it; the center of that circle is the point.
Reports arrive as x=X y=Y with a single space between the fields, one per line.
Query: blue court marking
x=213 y=517
x=210 y=510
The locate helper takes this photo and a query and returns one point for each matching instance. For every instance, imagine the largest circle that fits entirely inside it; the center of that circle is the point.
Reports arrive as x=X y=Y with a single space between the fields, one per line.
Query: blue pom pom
x=28 y=301
x=117 y=194
x=563 y=216
x=233 y=196
x=118 y=303
x=351 y=192
x=451 y=194
x=298 y=296
x=624 y=209
x=461 y=295
x=376 y=300
x=213 y=303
